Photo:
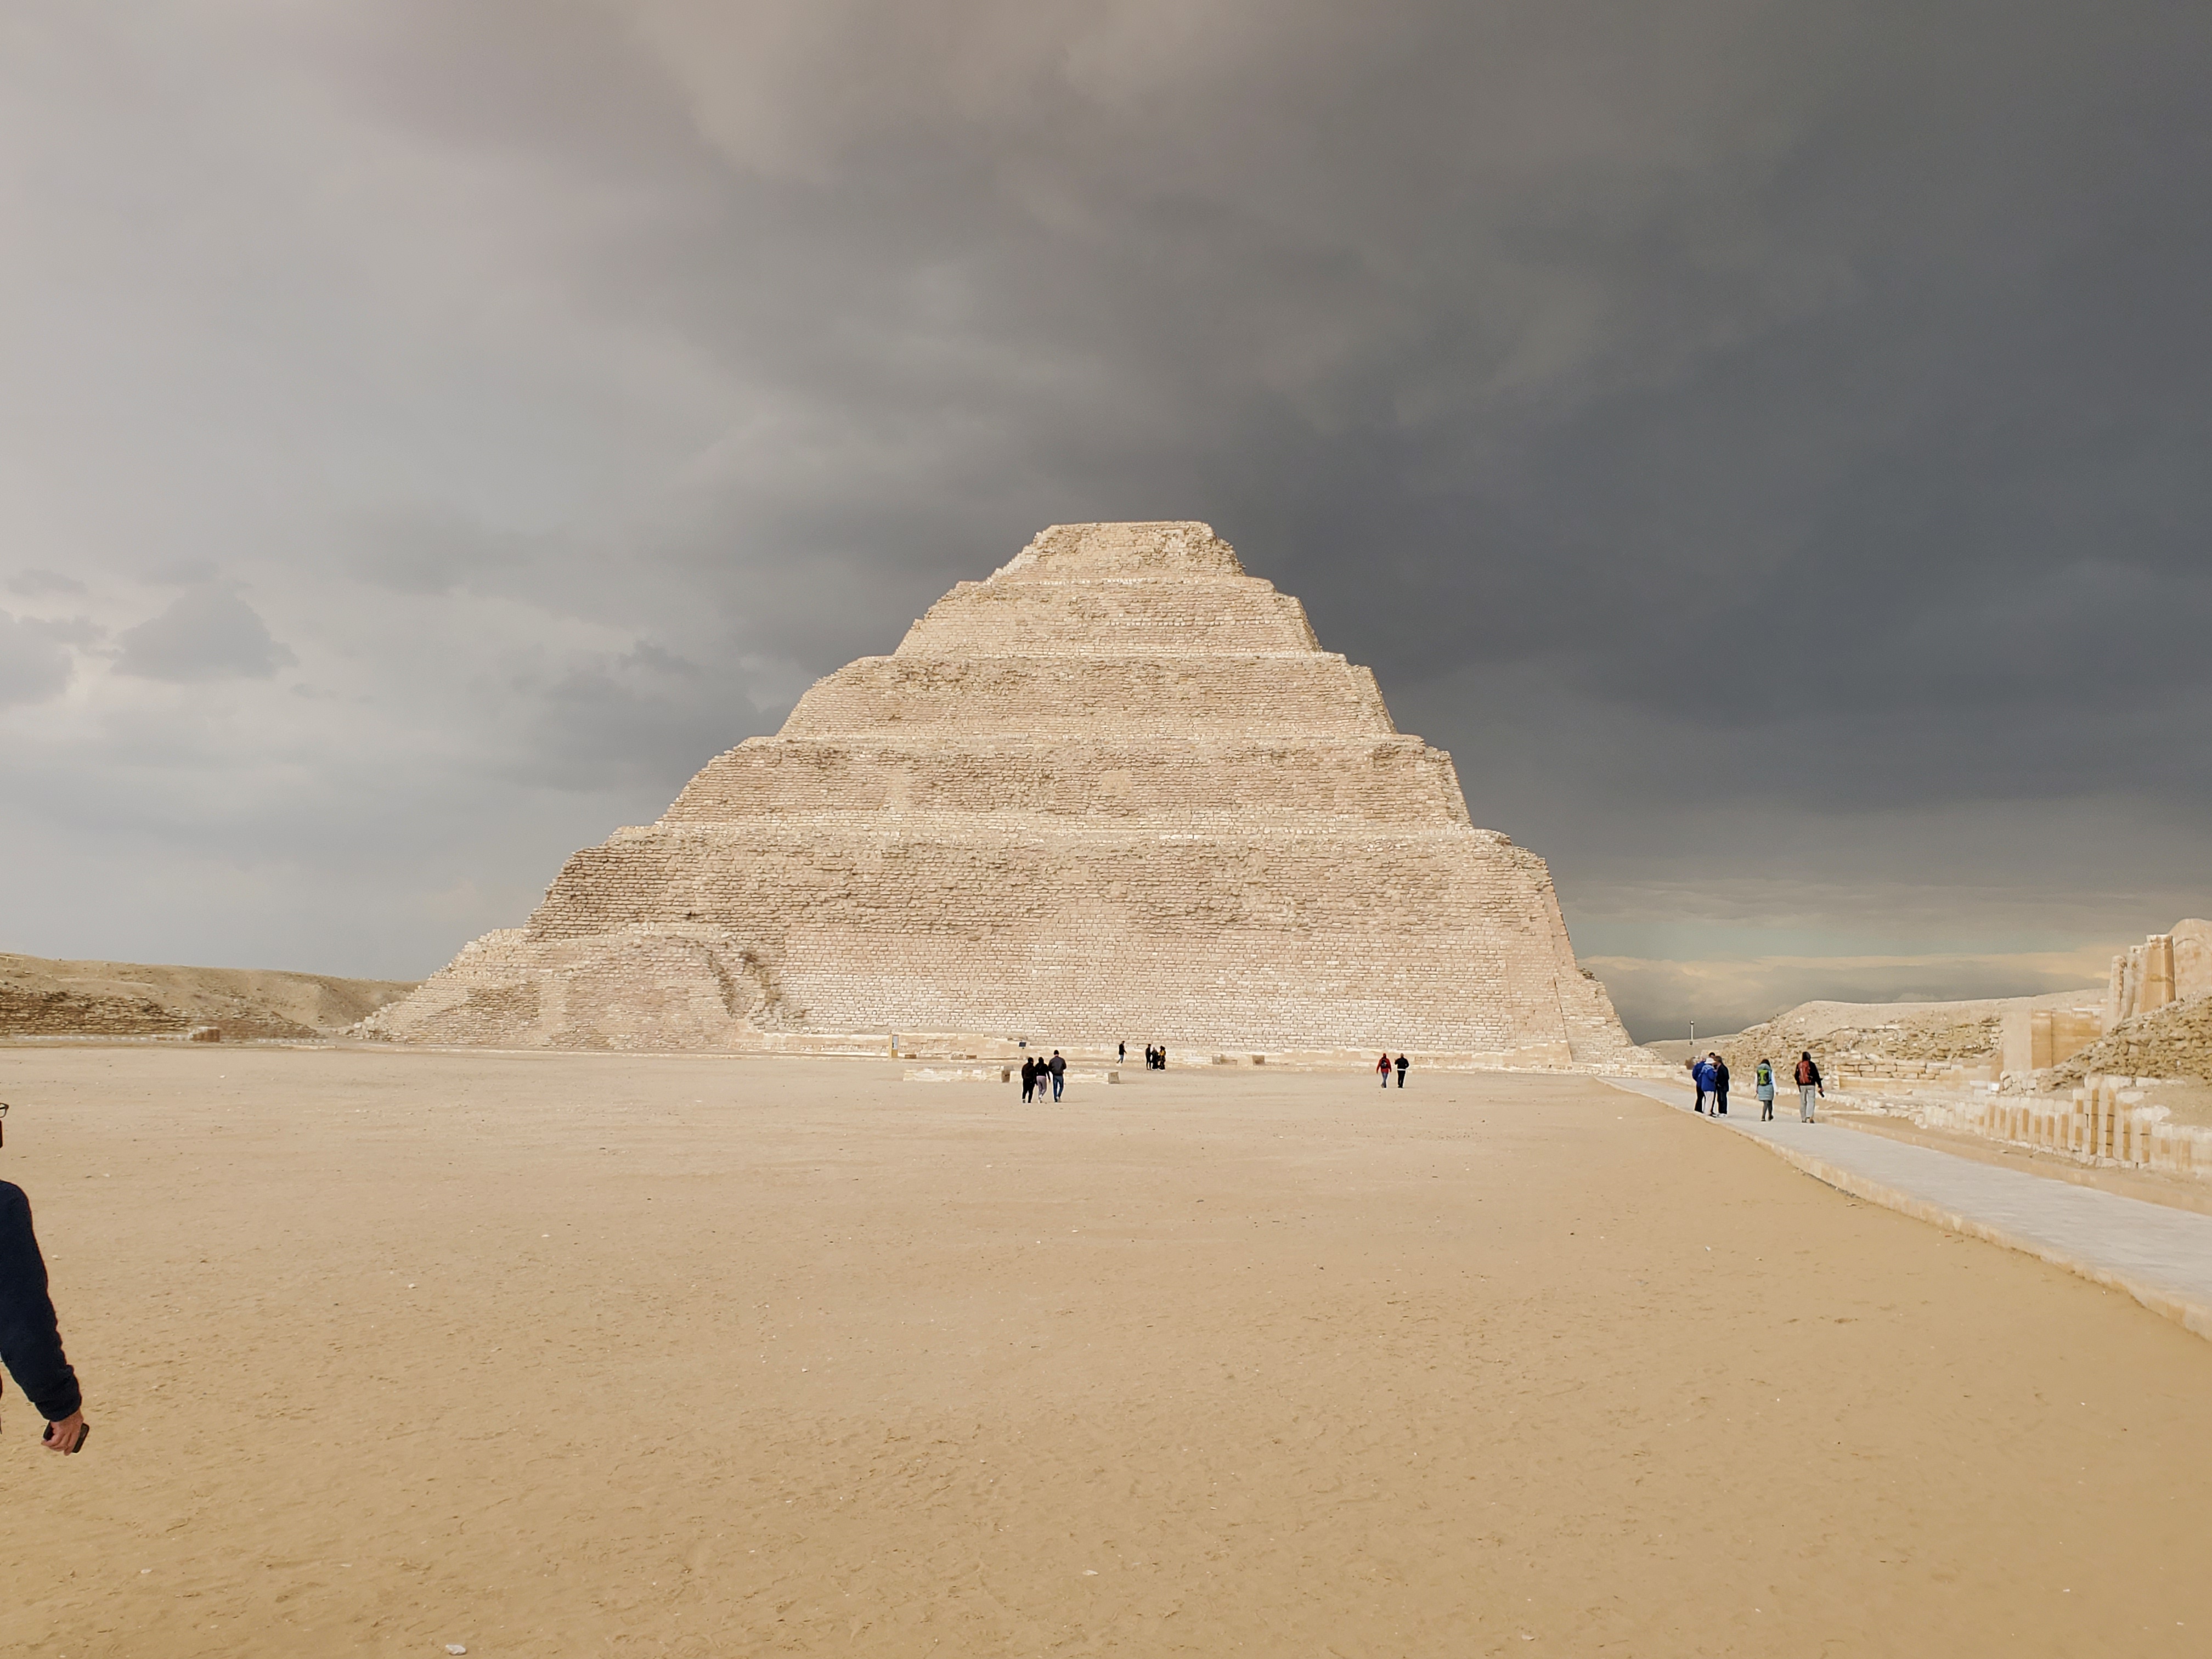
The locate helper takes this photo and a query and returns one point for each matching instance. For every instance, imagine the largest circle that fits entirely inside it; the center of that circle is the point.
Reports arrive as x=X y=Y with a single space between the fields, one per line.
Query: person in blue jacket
x=30 y=1335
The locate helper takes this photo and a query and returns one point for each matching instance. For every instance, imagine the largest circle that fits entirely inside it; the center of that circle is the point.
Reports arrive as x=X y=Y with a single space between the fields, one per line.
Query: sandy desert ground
x=567 y=1355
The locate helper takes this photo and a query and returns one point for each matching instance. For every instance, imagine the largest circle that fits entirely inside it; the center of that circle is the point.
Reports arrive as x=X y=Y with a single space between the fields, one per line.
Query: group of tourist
x=1385 y=1066
x=1709 y=1072
x=1037 y=1073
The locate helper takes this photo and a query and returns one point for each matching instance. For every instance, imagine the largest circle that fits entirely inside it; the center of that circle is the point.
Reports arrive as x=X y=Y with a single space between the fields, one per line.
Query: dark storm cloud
x=33 y=666
x=431 y=553
x=1554 y=332
x=1751 y=437
x=37 y=584
x=205 y=634
x=646 y=716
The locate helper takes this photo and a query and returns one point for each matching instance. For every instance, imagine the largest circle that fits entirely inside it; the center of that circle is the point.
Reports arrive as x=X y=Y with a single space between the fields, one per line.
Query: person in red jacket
x=1382 y=1068
x=30 y=1335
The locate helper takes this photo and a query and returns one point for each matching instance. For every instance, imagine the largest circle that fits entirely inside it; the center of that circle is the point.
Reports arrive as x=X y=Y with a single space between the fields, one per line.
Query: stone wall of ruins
x=2168 y=967
x=1116 y=792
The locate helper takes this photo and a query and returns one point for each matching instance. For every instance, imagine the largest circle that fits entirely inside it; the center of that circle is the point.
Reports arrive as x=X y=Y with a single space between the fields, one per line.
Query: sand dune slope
x=664 y=1355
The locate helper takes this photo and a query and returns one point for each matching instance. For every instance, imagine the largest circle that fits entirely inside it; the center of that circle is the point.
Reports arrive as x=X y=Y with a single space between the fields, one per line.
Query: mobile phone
x=82 y=1429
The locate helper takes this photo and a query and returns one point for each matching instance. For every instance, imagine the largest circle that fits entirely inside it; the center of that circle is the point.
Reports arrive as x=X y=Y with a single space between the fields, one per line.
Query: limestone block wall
x=637 y=988
x=1116 y=792
x=1165 y=782
x=2108 y=1121
x=2193 y=959
x=2058 y=1034
x=1121 y=618
x=1074 y=696
x=2165 y=967
x=1168 y=551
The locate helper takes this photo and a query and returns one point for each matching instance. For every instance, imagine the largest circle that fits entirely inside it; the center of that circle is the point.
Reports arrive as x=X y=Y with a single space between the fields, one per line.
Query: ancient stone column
x=2158 y=972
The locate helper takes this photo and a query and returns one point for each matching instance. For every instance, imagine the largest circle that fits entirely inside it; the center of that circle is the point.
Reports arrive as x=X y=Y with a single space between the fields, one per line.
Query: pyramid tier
x=750 y=880
x=1179 y=782
x=1447 y=939
x=1168 y=548
x=1084 y=699
x=1120 y=617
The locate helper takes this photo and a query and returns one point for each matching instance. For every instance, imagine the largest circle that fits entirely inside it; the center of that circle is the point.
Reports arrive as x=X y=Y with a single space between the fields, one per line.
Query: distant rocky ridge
x=2149 y=1020
x=42 y=997
x=1874 y=1038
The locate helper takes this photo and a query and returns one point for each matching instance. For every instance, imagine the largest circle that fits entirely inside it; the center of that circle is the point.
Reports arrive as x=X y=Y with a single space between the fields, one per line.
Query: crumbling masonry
x=1116 y=791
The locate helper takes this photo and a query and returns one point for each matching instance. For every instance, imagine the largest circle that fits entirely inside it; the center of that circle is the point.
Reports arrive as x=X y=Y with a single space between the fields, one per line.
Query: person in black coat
x=30 y=1336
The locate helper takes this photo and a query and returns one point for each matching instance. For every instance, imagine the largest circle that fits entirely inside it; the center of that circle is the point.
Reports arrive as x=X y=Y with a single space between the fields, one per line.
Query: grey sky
x=1763 y=442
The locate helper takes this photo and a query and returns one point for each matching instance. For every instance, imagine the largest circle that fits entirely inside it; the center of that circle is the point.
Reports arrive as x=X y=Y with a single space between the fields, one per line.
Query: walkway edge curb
x=2193 y=1316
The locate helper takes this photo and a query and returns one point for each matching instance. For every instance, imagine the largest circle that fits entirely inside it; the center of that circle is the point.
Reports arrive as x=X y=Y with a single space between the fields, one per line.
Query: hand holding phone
x=67 y=1436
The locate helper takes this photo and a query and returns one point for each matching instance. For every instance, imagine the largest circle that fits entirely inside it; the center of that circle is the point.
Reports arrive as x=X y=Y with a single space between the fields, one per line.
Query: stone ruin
x=1115 y=792
x=2169 y=967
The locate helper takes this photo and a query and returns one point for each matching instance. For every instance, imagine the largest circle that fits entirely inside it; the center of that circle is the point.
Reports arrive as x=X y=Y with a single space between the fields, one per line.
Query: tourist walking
x=30 y=1336
x=1382 y=1068
x=1402 y=1071
x=1029 y=1079
x=1058 y=1067
x=1720 y=1085
x=1808 y=1084
x=1120 y=1054
x=1762 y=1082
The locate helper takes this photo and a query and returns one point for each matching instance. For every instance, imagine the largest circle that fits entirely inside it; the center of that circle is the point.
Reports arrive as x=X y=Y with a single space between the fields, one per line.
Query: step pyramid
x=1116 y=792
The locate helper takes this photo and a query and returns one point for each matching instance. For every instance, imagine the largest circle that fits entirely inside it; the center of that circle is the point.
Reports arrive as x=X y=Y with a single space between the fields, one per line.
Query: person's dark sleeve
x=30 y=1338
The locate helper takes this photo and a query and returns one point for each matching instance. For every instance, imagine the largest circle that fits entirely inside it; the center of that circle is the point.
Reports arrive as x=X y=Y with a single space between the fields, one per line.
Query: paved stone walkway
x=2161 y=1256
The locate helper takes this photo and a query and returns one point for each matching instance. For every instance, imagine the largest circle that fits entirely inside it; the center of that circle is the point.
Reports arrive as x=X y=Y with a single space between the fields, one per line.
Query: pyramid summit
x=1116 y=791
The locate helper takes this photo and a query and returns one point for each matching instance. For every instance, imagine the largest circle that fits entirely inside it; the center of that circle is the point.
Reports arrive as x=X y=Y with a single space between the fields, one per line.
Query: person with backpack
x=1762 y=1084
x=1808 y=1084
x=1382 y=1068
